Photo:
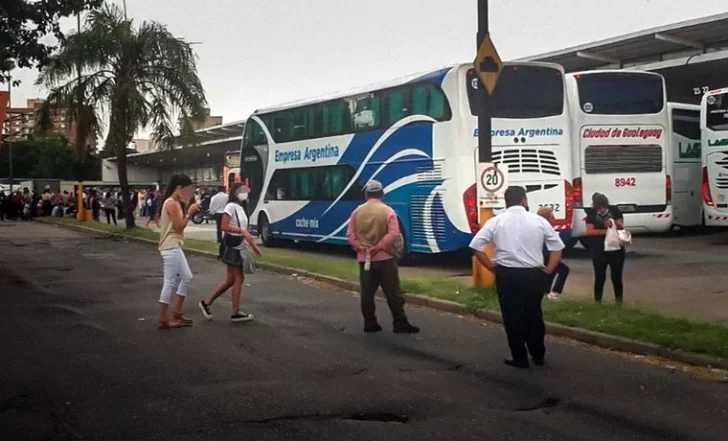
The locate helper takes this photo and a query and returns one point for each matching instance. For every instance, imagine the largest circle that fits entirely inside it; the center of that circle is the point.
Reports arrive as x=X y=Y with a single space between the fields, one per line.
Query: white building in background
x=144 y=145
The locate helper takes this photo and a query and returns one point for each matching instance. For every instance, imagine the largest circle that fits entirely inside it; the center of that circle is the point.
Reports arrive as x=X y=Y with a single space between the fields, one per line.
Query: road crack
x=369 y=417
x=546 y=403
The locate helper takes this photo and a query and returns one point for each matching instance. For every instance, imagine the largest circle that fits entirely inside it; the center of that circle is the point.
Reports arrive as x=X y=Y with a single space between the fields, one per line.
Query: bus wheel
x=264 y=230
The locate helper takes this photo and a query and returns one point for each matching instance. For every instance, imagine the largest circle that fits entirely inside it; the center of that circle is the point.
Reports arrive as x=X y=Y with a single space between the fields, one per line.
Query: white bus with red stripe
x=621 y=146
x=531 y=133
x=714 y=157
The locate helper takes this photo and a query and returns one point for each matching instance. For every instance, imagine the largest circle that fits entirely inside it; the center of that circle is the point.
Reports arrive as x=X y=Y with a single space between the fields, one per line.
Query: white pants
x=177 y=274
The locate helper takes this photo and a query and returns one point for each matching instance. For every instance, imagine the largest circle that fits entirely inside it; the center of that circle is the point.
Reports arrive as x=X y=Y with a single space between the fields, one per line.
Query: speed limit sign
x=492 y=182
x=492 y=179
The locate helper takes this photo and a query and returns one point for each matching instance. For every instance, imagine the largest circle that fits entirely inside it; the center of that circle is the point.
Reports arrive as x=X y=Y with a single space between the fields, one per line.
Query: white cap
x=373 y=187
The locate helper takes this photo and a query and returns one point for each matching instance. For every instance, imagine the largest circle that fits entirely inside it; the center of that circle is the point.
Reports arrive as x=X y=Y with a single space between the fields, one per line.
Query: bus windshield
x=620 y=93
x=522 y=92
x=716 y=112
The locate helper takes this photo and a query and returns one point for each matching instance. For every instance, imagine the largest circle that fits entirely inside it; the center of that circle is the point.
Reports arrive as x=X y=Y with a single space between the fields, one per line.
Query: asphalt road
x=680 y=274
x=82 y=359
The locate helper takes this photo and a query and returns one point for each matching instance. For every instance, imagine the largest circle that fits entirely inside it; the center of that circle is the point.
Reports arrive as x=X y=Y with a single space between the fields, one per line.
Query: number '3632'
x=625 y=182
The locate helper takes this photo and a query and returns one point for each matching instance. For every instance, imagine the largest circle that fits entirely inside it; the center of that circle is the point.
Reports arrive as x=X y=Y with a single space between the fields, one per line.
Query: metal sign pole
x=488 y=66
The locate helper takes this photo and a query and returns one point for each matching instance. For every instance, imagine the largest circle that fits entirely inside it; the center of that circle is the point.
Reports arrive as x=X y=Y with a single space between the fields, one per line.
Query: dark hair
x=375 y=194
x=174 y=182
x=234 y=187
x=599 y=201
x=514 y=196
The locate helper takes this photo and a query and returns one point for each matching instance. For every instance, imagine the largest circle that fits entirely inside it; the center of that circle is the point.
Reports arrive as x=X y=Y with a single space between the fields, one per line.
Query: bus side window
x=399 y=104
x=337 y=118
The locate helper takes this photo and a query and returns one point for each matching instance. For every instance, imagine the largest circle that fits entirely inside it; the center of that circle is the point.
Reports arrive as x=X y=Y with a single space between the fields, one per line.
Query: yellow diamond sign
x=488 y=64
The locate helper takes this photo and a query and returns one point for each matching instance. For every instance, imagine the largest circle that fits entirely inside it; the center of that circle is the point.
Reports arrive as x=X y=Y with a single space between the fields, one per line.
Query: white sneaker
x=554 y=296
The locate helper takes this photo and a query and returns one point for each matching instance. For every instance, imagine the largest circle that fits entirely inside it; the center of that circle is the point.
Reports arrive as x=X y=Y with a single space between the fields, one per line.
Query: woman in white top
x=235 y=227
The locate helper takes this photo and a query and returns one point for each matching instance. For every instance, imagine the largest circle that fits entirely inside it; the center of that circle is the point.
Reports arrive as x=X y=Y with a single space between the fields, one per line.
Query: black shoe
x=406 y=329
x=372 y=327
x=539 y=361
x=241 y=316
x=205 y=309
x=517 y=364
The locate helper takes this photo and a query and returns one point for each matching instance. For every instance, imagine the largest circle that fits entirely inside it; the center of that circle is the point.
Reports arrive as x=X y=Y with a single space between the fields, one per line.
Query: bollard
x=482 y=277
x=80 y=209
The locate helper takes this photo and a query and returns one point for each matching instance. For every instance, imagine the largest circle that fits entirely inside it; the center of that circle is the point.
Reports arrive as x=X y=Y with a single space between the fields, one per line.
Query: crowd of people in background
x=27 y=204
x=103 y=203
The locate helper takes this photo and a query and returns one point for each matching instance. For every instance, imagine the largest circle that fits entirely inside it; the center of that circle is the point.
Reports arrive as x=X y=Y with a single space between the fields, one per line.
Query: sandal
x=183 y=319
x=171 y=324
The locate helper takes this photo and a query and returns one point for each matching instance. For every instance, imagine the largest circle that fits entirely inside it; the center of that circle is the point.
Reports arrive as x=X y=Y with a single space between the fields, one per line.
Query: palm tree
x=113 y=74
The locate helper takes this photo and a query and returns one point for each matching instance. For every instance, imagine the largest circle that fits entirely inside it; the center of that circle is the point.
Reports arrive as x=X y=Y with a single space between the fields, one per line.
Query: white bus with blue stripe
x=307 y=162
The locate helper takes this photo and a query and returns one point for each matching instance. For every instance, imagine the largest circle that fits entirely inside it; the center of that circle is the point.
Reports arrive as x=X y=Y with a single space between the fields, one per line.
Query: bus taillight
x=577 y=193
x=668 y=189
x=470 y=201
x=707 y=197
x=569 y=199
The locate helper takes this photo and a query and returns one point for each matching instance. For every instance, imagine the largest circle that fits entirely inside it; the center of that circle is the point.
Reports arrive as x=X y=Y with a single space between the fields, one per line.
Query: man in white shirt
x=217 y=208
x=520 y=275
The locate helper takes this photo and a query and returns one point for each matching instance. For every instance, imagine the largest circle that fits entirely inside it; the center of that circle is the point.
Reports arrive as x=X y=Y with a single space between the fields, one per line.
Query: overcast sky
x=257 y=53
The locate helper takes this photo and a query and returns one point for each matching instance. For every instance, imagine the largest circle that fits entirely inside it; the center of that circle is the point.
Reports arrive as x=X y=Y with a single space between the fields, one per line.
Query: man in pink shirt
x=373 y=232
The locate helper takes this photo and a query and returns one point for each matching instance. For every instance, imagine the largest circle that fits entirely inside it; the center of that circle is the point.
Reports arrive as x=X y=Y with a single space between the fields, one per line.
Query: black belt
x=518 y=269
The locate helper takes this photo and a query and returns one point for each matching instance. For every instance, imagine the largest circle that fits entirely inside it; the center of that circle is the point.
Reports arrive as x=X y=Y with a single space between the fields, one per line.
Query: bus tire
x=264 y=231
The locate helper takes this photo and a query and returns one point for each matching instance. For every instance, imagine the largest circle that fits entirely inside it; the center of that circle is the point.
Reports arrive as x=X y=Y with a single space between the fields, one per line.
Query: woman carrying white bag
x=607 y=239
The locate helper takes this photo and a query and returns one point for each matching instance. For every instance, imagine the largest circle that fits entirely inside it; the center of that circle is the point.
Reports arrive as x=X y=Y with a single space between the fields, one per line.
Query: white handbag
x=611 y=240
x=625 y=238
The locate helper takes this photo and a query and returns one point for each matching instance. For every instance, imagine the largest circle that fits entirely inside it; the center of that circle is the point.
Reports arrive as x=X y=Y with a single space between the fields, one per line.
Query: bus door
x=253 y=164
x=687 y=200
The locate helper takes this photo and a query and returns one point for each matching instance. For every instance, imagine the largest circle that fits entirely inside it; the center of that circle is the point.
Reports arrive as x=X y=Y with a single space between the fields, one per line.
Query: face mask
x=242 y=197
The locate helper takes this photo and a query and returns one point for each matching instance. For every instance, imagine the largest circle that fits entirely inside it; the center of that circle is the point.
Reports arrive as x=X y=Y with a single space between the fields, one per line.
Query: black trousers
x=386 y=275
x=557 y=281
x=614 y=260
x=110 y=215
x=520 y=291
x=218 y=226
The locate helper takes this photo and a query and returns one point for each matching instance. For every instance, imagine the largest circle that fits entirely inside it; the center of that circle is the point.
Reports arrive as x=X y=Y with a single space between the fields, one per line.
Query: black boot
x=372 y=327
x=405 y=328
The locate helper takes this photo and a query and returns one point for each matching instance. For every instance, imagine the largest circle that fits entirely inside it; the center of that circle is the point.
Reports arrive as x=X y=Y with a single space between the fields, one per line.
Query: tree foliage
x=131 y=77
x=24 y=23
x=48 y=158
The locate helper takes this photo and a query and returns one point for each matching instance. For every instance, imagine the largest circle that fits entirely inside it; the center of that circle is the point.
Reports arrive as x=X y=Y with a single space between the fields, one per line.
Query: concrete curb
x=582 y=335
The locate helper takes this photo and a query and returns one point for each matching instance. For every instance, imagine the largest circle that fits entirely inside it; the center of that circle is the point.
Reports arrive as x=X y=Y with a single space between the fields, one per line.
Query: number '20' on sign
x=625 y=182
x=492 y=180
